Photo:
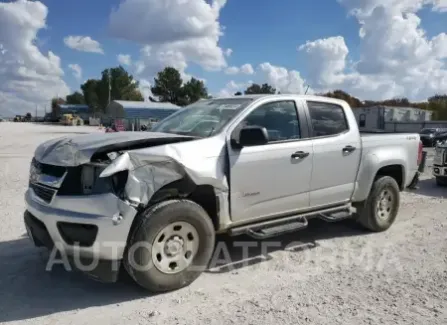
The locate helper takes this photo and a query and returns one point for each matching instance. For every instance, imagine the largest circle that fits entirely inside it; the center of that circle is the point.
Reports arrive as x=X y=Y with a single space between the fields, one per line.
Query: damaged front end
x=137 y=169
x=81 y=160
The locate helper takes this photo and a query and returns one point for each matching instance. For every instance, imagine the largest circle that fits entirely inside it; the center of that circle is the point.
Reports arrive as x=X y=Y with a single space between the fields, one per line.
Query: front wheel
x=380 y=209
x=170 y=246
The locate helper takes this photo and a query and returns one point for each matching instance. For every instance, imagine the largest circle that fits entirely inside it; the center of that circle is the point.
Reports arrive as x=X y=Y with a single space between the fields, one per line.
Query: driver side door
x=269 y=180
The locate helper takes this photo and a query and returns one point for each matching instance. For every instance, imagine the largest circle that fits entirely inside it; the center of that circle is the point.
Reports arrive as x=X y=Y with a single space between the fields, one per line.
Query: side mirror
x=253 y=136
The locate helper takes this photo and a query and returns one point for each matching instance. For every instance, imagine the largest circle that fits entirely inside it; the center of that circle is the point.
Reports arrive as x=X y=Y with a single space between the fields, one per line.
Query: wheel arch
x=185 y=188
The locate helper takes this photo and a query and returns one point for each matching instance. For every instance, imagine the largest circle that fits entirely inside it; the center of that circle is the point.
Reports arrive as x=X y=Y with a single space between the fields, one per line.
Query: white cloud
x=174 y=33
x=245 y=69
x=228 y=52
x=83 y=44
x=28 y=76
x=77 y=70
x=283 y=80
x=397 y=58
x=232 y=70
x=145 y=88
x=233 y=87
x=124 y=59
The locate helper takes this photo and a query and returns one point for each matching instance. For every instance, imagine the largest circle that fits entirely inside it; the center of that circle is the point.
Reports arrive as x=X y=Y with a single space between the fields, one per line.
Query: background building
x=389 y=118
x=137 y=114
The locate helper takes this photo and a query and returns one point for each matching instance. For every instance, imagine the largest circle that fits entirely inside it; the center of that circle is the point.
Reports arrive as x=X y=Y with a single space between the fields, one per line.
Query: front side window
x=327 y=119
x=279 y=118
x=203 y=118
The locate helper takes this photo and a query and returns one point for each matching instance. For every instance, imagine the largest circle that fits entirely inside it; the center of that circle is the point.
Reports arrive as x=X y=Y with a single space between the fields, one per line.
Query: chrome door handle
x=348 y=149
x=299 y=155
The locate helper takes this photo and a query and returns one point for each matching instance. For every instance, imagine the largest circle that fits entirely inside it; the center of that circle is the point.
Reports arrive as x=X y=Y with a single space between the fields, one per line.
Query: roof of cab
x=280 y=96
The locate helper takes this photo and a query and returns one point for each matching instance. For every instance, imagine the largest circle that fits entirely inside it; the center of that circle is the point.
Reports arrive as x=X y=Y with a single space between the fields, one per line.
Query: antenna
x=305 y=93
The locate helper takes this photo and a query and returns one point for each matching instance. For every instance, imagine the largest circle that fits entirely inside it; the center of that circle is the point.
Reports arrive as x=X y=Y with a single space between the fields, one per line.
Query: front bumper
x=439 y=171
x=91 y=226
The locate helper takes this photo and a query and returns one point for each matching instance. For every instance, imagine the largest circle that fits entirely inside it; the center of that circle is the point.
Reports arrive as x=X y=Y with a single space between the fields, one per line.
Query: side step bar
x=269 y=232
x=280 y=226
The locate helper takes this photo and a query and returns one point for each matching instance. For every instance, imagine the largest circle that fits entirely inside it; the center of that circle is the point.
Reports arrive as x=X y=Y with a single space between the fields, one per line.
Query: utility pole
x=35 y=116
x=110 y=85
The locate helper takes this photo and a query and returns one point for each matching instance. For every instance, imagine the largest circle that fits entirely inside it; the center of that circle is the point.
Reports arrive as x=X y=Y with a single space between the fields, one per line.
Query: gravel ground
x=327 y=274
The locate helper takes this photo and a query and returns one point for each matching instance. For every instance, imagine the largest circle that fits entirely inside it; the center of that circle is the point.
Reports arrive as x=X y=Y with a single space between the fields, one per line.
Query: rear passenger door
x=337 y=153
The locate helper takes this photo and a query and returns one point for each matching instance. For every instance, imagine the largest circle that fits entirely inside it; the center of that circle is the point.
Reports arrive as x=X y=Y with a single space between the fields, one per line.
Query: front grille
x=444 y=157
x=43 y=192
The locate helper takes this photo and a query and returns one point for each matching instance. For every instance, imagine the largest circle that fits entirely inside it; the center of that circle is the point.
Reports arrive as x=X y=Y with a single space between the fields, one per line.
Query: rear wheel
x=170 y=246
x=380 y=209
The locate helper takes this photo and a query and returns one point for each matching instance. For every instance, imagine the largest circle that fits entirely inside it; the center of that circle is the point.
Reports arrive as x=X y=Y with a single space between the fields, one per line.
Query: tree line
x=168 y=86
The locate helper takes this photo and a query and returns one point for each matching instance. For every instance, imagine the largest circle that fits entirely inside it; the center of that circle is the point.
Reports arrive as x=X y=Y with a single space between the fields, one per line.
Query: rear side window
x=327 y=119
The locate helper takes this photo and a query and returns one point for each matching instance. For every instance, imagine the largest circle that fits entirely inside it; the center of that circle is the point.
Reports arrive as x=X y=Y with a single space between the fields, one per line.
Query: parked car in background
x=260 y=165
x=428 y=136
x=440 y=137
x=440 y=164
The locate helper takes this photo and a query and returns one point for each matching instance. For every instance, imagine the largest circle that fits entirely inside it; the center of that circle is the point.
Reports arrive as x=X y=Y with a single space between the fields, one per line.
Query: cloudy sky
x=373 y=49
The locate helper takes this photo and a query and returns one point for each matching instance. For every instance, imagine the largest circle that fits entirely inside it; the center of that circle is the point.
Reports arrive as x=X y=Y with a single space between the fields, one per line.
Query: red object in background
x=118 y=126
x=421 y=148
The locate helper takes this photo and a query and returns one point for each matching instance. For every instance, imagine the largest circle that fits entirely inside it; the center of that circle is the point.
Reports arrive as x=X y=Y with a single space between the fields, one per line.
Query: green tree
x=122 y=87
x=90 y=90
x=168 y=86
x=438 y=104
x=192 y=91
x=340 y=94
x=75 y=98
x=55 y=102
x=238 y=93
x=260 y=89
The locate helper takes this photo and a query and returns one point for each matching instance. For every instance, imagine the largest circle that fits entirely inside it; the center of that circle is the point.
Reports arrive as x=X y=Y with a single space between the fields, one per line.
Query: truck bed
x=403 y=146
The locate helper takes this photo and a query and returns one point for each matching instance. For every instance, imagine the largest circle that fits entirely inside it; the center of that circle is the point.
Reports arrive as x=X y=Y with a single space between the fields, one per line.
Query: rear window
x=427 y=131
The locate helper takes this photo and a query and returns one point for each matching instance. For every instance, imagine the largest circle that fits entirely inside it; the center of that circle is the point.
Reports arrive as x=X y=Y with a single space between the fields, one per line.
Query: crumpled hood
x=78 y=150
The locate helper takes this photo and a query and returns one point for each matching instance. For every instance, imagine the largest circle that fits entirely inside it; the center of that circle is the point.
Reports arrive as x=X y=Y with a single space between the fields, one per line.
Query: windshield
x=427 y=131
x=203 y=118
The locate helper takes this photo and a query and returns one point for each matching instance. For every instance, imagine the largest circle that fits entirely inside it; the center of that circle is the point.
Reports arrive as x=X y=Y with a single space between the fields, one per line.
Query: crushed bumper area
x=37 y=231
x=100 y=270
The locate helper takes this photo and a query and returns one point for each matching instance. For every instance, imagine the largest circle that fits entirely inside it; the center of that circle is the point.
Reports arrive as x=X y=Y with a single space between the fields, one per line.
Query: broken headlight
x=85 y=180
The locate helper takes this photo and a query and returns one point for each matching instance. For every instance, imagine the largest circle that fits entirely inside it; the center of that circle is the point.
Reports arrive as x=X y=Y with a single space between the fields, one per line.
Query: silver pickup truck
x=257 y=165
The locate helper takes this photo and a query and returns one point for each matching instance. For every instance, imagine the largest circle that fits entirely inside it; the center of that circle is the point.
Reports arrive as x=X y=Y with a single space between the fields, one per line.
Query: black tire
x=149 y=224
x=367 y=213
x=441 y=181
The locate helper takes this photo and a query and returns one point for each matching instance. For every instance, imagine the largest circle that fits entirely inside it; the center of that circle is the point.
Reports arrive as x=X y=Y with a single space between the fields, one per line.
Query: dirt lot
x=327 y=274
